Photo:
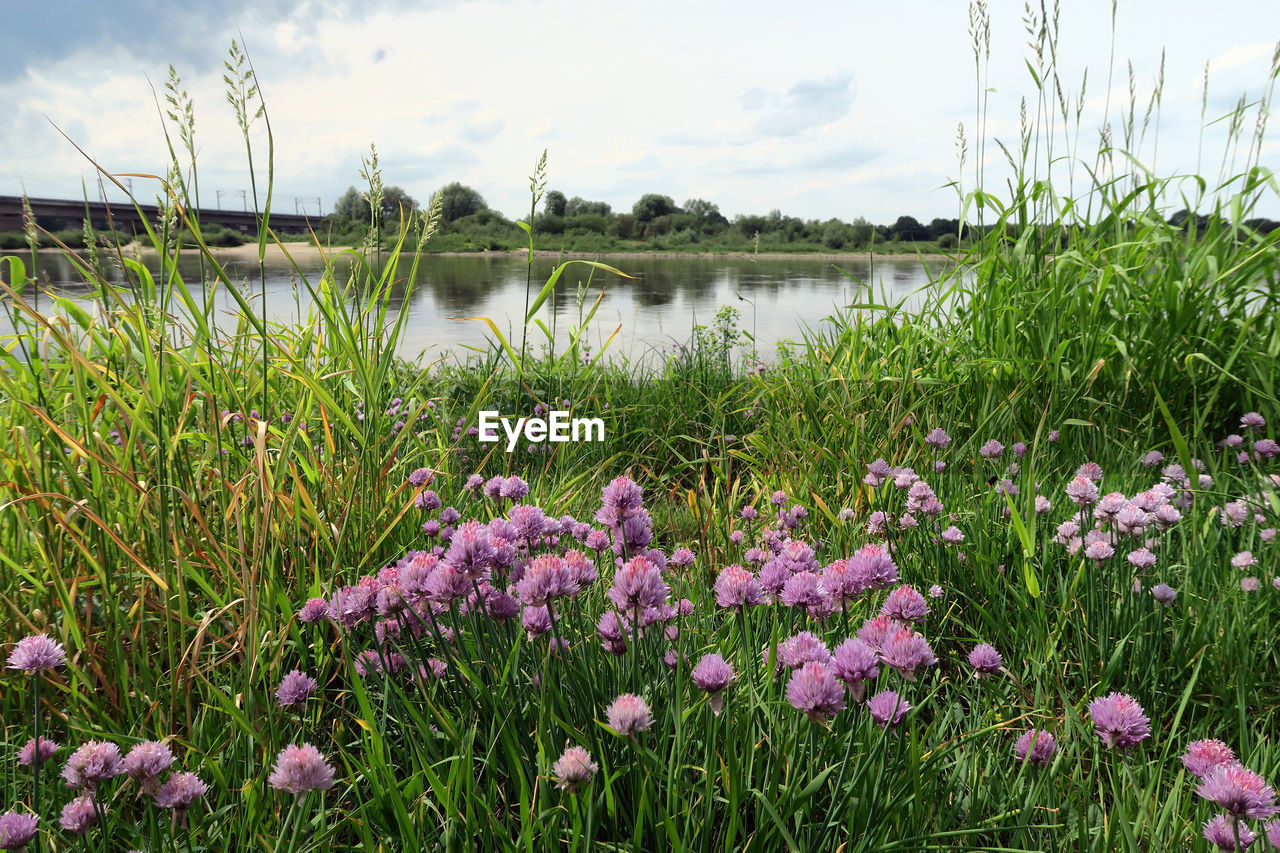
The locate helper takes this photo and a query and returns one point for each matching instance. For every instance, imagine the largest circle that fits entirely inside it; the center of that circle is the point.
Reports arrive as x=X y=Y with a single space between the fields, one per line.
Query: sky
x=819 y=109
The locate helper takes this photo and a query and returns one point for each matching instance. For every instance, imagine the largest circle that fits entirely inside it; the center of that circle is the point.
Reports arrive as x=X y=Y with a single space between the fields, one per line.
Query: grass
x=175 y=494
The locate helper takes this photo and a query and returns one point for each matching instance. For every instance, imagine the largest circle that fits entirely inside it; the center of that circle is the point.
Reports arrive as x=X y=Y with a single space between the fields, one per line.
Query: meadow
x=998 y=573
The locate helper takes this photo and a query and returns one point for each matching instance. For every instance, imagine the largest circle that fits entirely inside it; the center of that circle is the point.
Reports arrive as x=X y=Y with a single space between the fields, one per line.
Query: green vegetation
x=174 y=495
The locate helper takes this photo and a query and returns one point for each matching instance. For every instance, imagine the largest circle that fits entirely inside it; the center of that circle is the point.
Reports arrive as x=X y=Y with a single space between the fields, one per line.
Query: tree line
x=656 y=221
x=653 y=219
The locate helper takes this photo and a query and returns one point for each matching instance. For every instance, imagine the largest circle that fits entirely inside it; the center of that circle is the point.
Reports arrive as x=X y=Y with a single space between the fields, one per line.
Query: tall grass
x=175 y=493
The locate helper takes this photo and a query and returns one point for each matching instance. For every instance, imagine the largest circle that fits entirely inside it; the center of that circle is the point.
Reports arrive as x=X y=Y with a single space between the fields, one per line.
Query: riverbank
x=305 y=252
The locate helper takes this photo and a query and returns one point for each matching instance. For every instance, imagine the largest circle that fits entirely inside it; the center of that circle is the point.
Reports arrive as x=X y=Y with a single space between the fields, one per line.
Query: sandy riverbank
x=305 y=253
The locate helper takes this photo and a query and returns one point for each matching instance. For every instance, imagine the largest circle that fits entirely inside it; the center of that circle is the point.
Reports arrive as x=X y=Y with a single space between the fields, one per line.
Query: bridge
x=53 y=214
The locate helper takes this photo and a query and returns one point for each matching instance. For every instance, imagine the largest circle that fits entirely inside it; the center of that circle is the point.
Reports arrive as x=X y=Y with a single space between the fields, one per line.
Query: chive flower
x=855 y=663
x=1035 y=746
x=735 y=587
x=1119 y=720
x=887 y=708
x=145 y=762
x=179 y=793
x=1164 y=594
x=905 y=604
x=299 y=769
x=296 y=688
x=92 y=763
x=37 y=653
x=79 y=814
x=628 y=715
x=984 y=659
x=1203 y=756
x=815 y=691
x=17 y=830
x=1238 y=790
x=28 y=754
x=713 y=675
x=1222 y=830
x=573 y=768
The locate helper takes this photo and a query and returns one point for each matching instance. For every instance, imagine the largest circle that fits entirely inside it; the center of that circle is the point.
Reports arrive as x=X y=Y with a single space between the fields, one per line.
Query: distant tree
x=579 y=205
x=624 y=226
x=861 y=232
x=394 y=201
x=554 y=203
x=354 y=205
x=835 y=234
x=458 y=200
x=351 y=205
x=938 y=227
x=749 y=225
x=908 y=228
x=651 y=206
x=700 y=208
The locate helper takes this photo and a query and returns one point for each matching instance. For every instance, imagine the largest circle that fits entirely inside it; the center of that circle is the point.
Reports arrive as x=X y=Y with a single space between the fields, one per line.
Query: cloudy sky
x=820 y=109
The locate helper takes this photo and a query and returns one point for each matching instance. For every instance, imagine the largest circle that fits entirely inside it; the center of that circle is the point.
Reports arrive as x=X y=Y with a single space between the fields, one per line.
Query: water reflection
x=660 y=304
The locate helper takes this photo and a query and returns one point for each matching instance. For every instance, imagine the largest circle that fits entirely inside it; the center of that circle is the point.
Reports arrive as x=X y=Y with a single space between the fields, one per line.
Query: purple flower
x=638 y=585
x=300 y=769
x=1239 y=790
x=1164 y=594
x=93 y=762
x=713 y=675
x=1082 y=491
x=736 y=587
x=952 y=535
x=937 y=439
x=854 y=662
x=936 y=592
x=815 y=690
x=1202 y=756
x=985 y=659
x=1253 y=421
x=804 y=647
x=906 y=651
x=629 y=715
x=1152 y=459
x=313 y=611
x=621 y=500
x=37 y=653
x=78 y=815
x=180 y=792
x=803 y=590
x=682 y=557
x=1249 y=584
x=27 y=754
x=1273 y=833
x=1221 y=830
x=991 y=450
x=1142 y=558
x=17 y=830
x=887 y=708
x=513 y=488
x=546 y=578
x=573 y=768
x=876 y=632
x=475 y=483
x=873 y=568
x=748 y=513
x=1119 y=720
x=295 y=689
x=146 y=761
x=420 y=477
x=1099 y=551
x=1036 y=747
x=905 y=604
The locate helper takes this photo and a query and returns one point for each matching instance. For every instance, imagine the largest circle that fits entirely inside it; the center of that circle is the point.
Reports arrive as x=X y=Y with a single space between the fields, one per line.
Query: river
x=778 y=298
